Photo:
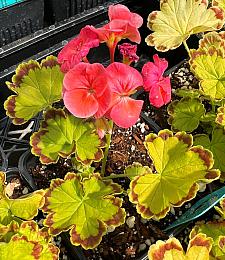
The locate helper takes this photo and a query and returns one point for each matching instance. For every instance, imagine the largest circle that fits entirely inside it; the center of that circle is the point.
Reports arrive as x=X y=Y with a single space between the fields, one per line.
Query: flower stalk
x=106 y=152
x=187 y=48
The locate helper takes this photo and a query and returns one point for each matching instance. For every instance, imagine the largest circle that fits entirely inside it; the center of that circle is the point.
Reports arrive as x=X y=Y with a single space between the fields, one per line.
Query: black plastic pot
x=26 y=161
x=14 y=173
x=21 y=19
x=3 y=160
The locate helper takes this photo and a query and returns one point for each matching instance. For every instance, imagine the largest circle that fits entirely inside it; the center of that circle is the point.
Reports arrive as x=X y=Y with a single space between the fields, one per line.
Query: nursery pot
x=3 y=160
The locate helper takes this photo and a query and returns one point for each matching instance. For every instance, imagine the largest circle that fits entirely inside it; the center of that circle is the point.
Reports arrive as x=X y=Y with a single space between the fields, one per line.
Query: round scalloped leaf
x=185 y=114
x=20 y=248
x=86 y=207
x=198 y=248
x=211 y=41
x=62 y=134
x=221 y=209
x=216 y=231
x=216 y=145
x=37 y=86
x=31 y=231
x=179 y=168
x=25 y=207
x=210 y=69
x=220 y=117
x=136 y=169
x=193 y=93
x=7 y=231
x=220 y=3
x=172 y=25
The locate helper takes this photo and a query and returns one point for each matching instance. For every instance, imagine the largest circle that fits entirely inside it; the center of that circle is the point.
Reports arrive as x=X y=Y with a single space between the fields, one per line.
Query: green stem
x=122 y=175
x=213 y=106
x=108 y=141
x=186 y=47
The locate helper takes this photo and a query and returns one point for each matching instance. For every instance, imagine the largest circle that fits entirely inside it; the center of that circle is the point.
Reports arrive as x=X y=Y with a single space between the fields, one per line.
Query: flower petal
x=78 y=48
x=124 y=79
x=126 y=112
x=80 y=103
x=103 y=102
x=82 y=76
x=121 y=12
x=122 y=29
x=86 y=90
x=76 y=78
x=161 y=93
x=161 y=63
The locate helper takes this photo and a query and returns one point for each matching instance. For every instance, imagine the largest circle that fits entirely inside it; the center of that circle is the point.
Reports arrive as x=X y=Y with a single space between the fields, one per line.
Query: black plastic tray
x=20 y=19
x=61 y=10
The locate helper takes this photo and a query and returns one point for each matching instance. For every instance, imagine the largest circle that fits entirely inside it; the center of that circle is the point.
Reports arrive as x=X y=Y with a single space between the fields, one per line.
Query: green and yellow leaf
x=85 y=207
x=37 y=86
x=136 y=169
x=20 y=248
x=24 y=208
x=216 y=231
x=216 y=145
x=198 y=249
x=7 y=231
x=62 y=134
x=209 y=68
x=172 y=25
x=221 y=209
x=212 y=41
x=193 y=93
x=220 y=117
x=30 y=231
x=185 y=114
x=220 y=3
x=179 y=167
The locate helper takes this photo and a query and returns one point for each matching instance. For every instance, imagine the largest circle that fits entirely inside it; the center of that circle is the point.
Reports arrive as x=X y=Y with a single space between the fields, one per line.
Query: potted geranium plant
x=89 y=200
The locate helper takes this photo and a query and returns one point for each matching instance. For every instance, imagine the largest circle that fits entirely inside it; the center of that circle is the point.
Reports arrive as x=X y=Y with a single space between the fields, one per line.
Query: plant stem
x=85 y=59
x=186 y=47
x=108 y=141
x=213 y=106
x=112 y=49
x=122 y=175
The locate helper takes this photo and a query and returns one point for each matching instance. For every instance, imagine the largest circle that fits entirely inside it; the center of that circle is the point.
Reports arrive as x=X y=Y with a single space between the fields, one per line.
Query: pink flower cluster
x=158 y=86
x=90 y=90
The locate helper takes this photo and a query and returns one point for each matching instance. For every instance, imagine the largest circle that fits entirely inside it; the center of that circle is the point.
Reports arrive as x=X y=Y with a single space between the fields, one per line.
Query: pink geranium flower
x=86 y=90
x=123 y=24
x=129 y=53
x=124 y=111
x=159 y=87
x=78 y=48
